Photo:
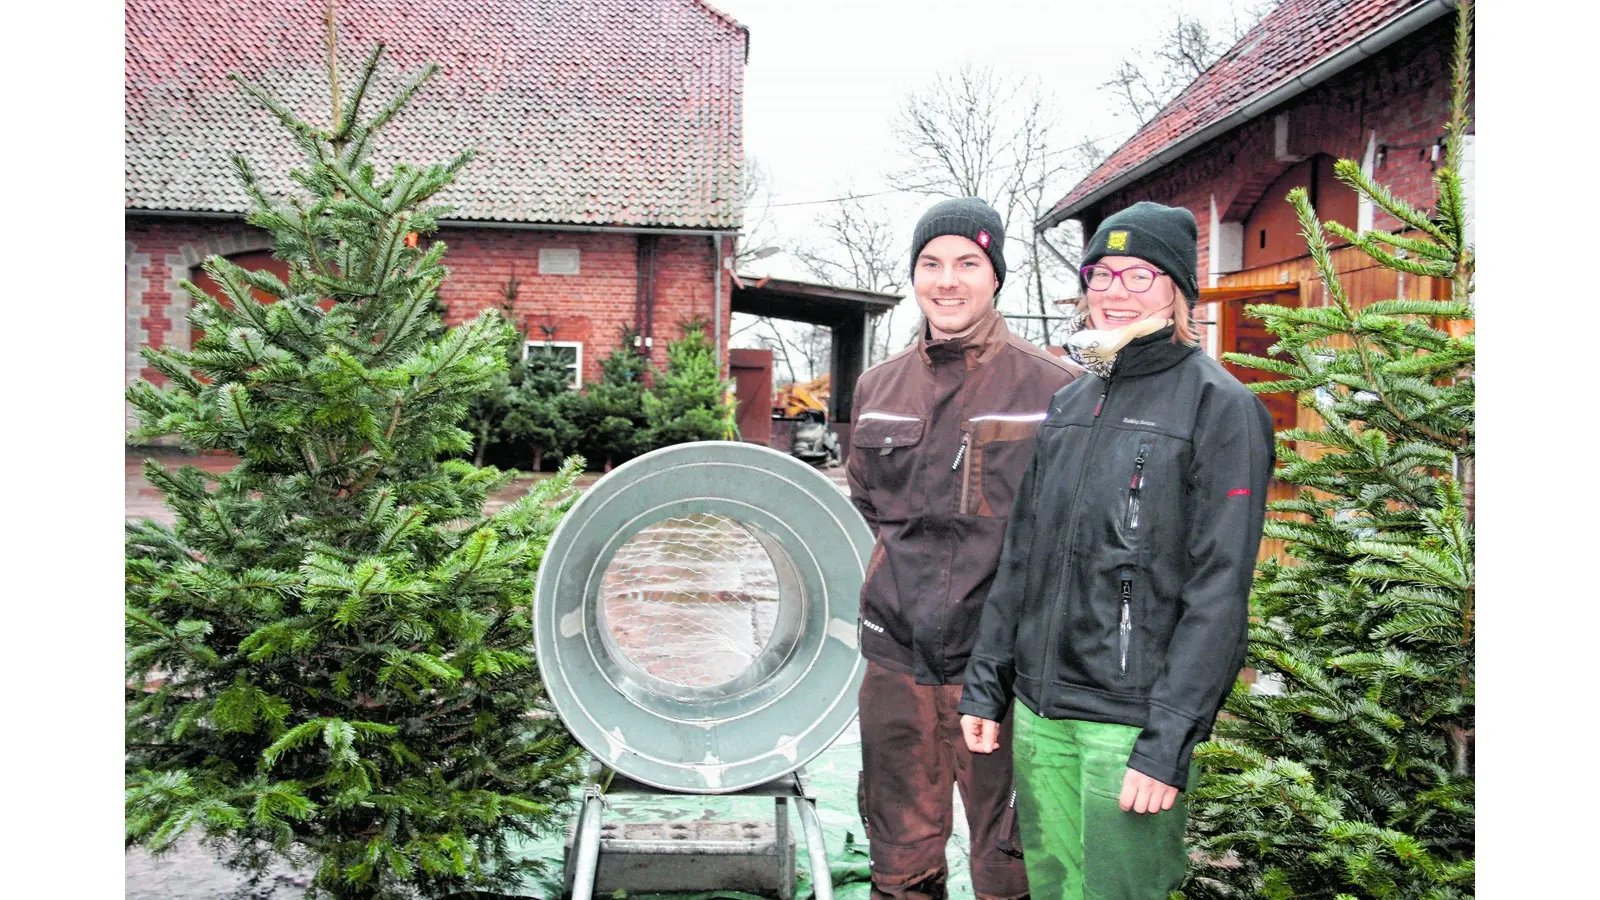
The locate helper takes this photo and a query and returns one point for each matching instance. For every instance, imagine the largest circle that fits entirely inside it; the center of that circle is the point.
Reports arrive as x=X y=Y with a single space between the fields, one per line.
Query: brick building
x=607 y=179
x=1314 y=81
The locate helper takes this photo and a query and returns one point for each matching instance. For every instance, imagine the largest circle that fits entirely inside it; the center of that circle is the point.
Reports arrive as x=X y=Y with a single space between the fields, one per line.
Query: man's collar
x=978 y=345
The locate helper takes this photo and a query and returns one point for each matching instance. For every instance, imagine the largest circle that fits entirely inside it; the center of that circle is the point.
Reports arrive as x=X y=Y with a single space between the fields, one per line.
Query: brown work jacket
x=941 y=436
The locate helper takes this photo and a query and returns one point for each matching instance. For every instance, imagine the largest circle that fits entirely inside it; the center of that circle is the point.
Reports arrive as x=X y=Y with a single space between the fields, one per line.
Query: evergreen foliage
x=490 y=408
x=329 y=654
x=608 y=417
x=542 y=407
x=1355 y=778
x=688 y=400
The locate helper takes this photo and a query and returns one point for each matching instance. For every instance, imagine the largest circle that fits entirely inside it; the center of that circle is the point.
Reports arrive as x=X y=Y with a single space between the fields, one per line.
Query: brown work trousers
x=911 y=752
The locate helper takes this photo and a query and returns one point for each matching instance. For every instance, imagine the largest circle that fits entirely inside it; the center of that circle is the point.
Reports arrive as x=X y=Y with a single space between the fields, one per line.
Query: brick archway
x=164 y=299
x=182 y=263
x=1250 y=192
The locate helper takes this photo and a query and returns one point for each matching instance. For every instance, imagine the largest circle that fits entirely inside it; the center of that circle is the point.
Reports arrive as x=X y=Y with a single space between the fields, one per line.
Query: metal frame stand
x=793 y=786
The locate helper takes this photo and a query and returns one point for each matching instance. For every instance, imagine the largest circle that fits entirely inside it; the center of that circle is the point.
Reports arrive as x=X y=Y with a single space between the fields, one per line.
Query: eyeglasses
x=1137 y=279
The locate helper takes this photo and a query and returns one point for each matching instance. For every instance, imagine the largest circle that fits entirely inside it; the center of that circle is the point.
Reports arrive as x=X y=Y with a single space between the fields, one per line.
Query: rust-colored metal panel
x=751 y=371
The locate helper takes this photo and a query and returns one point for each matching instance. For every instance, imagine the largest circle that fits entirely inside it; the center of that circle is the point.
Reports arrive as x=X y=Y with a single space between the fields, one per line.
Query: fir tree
x=541 y=407
x=486 y=416
x=329 y=654
x=1355 y=778
x=609 y=415
x=688 y=400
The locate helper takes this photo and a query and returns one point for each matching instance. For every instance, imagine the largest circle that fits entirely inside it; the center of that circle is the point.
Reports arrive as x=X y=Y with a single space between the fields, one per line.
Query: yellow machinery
x=794 y=399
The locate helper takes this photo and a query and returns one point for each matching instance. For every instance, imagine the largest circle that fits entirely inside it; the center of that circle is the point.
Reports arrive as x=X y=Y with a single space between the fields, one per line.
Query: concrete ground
x=190 y=872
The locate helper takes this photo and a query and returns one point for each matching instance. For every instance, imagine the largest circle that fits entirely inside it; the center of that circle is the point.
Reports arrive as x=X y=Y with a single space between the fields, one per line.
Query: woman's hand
x=1140 y=792
x=983 y=735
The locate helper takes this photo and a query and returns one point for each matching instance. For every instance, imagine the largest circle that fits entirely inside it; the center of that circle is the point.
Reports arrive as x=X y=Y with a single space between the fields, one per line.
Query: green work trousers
x=1077 y=842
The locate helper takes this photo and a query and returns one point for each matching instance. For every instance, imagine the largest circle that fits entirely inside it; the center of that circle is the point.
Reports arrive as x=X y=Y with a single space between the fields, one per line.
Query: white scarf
x=1096 y=350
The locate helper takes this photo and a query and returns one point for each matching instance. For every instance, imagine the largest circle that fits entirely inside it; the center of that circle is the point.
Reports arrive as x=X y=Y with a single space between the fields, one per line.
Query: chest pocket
x=1000 y=445
x=888 y=444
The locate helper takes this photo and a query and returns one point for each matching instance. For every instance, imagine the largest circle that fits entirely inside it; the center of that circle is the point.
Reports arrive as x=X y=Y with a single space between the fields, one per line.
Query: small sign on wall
x=558 y=261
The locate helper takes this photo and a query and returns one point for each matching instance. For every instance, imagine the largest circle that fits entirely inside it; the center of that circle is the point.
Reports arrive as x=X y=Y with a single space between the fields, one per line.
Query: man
x=943 y=432
x=1116 y=622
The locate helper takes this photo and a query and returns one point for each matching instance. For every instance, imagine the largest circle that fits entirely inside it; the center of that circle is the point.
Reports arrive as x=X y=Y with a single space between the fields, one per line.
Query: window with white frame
x=571 y=353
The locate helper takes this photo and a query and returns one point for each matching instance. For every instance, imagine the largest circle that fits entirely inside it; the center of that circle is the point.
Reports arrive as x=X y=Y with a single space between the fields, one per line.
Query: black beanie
x=1165 y=235
x=971 y=218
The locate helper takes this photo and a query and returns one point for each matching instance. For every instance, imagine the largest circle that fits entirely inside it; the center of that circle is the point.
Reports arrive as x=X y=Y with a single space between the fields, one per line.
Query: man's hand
x=1140 y=792
x=983 y=735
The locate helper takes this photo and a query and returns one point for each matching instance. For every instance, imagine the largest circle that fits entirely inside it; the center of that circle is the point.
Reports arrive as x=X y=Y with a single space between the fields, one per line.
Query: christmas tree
x=688 y=401
x=608 y=416
x=541 y=407
x=329 y=653
x=1354 y=776
x=488 y=411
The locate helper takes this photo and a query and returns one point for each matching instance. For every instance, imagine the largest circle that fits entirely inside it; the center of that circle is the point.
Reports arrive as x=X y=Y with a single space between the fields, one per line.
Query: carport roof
x=805 y=301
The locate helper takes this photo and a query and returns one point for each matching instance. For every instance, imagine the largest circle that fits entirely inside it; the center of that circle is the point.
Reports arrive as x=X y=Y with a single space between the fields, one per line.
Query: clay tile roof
x=598 y=112
x=1288 y=42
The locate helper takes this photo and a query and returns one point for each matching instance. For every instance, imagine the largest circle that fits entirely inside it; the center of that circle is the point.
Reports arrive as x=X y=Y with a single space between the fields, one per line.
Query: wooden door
x=751 y=371
x=1242 y=333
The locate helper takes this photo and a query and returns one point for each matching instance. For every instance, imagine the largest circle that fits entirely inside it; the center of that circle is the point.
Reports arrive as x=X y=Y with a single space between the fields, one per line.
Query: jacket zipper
x=1125 y=628
x=1066 y=558
x=1136 y=487
x=966 y=473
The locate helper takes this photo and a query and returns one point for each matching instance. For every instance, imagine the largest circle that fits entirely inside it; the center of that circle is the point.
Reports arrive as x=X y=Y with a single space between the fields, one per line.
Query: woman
x=1117 y=618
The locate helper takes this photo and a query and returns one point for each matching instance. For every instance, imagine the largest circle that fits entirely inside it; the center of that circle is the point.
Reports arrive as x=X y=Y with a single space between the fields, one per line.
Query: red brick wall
x=1402 y=94
x=589 y=307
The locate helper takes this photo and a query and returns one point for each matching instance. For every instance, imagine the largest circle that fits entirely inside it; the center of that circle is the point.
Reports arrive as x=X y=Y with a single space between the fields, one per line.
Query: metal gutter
x=182 y=214
x=1403 y=25
x=557 y=226
x=716 y=302
x=456 y=223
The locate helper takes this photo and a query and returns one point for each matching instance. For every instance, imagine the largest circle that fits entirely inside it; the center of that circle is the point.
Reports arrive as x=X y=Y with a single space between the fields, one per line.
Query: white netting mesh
x=692 y=600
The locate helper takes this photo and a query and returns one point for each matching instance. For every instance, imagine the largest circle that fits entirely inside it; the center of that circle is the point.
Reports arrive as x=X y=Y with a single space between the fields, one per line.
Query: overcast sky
x=825 y=78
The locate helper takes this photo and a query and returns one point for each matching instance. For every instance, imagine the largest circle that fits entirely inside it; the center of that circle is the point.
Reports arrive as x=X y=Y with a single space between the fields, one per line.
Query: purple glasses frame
x=1116 y=275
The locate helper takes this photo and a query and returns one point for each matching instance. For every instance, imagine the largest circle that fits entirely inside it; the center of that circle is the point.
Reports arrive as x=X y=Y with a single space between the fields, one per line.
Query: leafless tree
x=858 y=249
x=759 y=231
x=1145 y=81
x=973 y=133
x=795 y=345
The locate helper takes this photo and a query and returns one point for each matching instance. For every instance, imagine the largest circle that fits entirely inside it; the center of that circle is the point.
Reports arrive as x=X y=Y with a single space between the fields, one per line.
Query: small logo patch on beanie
x=983 y=239
x=1117 y=240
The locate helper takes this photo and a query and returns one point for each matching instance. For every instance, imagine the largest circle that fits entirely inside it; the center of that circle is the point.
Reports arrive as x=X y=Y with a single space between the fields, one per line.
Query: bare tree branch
x=1146 y=81
x=759 y=231
x=858 y=249
x=974 y=133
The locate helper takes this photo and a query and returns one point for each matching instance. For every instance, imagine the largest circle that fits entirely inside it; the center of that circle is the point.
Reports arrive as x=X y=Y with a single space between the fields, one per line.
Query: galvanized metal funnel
x=695 y=616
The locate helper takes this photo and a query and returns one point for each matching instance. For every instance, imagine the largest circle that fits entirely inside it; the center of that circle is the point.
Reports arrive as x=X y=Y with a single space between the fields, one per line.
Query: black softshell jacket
x=1122 y=591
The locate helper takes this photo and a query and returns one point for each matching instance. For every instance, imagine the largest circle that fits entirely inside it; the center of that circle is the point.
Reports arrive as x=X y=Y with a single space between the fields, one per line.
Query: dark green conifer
x=1352 y=776
x=329 y=653
x=688 y=401
x=609 y=415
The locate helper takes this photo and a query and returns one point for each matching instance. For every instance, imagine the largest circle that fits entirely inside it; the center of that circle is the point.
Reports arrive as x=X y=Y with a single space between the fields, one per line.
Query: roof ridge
x=586 y=112
x=1295 y=16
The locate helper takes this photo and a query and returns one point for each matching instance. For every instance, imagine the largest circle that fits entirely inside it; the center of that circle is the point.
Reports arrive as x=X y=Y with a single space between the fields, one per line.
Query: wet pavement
x=682 y=590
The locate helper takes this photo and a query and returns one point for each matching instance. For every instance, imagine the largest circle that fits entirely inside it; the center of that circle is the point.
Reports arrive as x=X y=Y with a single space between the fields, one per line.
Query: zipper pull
x=1125 y=627
x=1101 y=402
x=961 y=451
x=1136 y=486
